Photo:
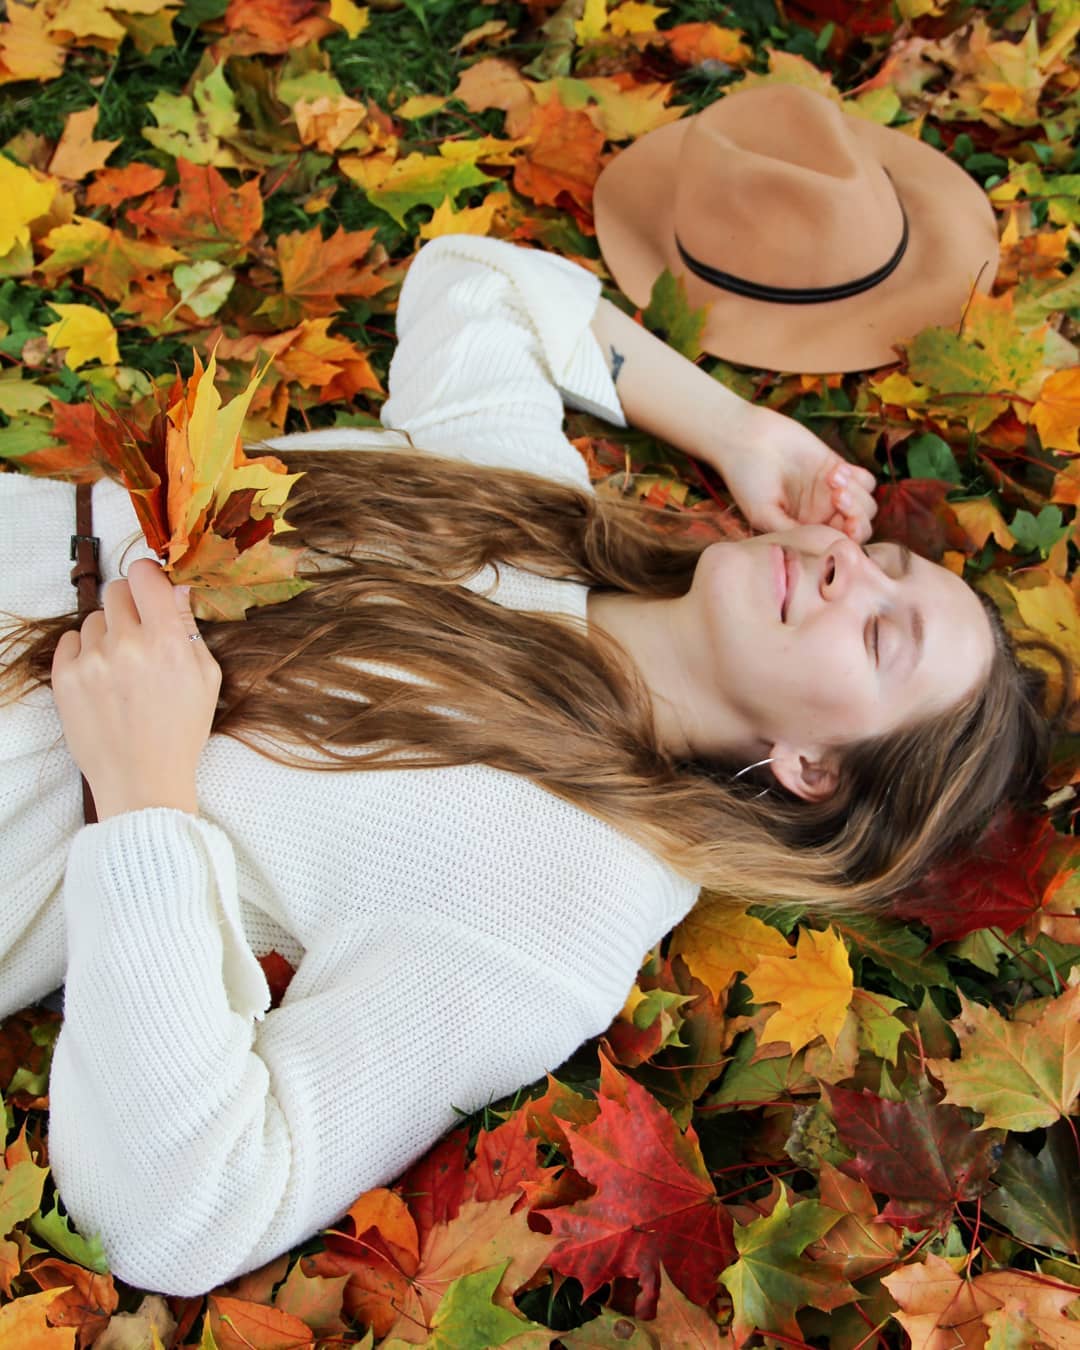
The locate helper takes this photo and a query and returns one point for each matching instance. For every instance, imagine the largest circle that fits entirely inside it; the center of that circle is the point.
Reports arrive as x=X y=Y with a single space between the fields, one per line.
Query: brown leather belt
x=85 y=577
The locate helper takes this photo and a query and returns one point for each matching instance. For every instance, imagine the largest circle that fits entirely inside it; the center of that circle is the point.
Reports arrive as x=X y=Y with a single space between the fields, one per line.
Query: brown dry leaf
x=494 y=83
x=938 y=1308
x=77 y=153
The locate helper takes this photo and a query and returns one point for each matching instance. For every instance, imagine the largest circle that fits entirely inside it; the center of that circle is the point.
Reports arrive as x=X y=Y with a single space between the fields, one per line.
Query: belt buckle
x=77 y=539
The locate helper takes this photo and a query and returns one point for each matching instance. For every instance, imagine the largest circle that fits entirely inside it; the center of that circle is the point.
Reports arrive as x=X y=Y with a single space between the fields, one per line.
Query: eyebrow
x=918 y=627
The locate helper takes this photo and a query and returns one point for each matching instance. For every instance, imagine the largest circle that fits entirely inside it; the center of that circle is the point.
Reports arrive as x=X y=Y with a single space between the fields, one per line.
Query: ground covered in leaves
x=854 y=1134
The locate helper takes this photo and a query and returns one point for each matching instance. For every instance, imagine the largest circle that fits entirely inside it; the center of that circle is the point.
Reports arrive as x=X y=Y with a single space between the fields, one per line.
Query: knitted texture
x=457 y=932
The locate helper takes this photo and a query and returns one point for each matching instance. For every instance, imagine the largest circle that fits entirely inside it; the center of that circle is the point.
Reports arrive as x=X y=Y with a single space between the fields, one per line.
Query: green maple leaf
x=56 y=1230
x=466 y=1319
x=423 y=180
x=669 y=315
x=771 y=1278
x=962 y=372
x=1038 y=1198
x=192 y=128
x=894 y=946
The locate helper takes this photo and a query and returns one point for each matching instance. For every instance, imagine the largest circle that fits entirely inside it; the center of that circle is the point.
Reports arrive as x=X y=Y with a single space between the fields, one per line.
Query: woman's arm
x=778 y=471
x=670 y=397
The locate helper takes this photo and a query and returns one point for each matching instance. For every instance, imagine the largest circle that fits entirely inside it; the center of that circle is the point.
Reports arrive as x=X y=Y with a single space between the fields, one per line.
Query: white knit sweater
x=457 y=932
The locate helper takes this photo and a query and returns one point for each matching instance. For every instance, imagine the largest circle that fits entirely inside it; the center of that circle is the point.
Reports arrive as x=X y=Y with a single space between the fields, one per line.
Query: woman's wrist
x=116 y=801
x=664 y=393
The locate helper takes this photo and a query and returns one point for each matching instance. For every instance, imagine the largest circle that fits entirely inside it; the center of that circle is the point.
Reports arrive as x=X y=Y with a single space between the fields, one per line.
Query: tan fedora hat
x=818 y=238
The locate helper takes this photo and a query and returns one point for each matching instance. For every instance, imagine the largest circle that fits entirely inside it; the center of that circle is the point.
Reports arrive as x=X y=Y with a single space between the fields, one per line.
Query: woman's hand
x=781 y=475
x=136 y=696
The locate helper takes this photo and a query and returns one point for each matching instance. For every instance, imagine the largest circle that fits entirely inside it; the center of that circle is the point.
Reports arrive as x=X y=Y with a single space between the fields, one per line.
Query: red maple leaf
x=434 y=1185
x=914 y=512
x=654 y=1202
x=925 y=1157
x=998 y=884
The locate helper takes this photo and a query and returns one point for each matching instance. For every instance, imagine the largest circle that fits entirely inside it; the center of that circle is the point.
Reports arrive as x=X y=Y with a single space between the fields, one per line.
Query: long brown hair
x=388 y=655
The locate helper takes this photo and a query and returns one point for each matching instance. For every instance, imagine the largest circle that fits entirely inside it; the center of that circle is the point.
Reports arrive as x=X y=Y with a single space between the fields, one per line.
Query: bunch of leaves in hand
x=207 y=510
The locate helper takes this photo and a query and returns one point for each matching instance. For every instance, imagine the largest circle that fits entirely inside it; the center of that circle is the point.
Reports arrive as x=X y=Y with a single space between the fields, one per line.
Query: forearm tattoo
x=617 y=360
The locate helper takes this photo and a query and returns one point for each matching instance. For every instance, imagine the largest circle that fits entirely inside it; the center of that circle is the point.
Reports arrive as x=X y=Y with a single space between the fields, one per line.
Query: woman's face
x=816 y=640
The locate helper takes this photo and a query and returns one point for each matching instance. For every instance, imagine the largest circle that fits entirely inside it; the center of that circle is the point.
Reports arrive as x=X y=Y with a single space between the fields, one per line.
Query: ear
x=810 y=774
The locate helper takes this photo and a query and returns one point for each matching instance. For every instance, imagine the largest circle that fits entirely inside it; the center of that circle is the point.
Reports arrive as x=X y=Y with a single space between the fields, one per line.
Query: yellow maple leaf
x=900 y=390
x=814 y=990
x=1057 y=411
x=26 y=197
x=979 y=519
x=93 y=23
x=86 y=332
x=1047 y=606
x=592 y=22
x=624 y=114
x=634 y=17
x=469 y=220
x=421 y=105
x=353 y=18
x=27 y=52
x=718 y=941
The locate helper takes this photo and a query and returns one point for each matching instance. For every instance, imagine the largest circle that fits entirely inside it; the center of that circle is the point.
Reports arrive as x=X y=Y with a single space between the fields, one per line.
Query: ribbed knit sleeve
x=202 y=1138
x=492 y=339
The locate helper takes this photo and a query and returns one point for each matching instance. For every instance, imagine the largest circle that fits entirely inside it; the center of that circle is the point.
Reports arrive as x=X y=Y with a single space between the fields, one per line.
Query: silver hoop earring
x=758 y=765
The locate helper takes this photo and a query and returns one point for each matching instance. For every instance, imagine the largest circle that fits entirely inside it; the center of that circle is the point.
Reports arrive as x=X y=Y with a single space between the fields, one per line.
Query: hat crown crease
x=820 y=213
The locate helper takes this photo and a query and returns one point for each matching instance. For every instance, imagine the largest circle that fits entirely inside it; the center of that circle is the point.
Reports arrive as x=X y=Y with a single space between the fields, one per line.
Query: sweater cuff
x=561 y=297
x=167 y=878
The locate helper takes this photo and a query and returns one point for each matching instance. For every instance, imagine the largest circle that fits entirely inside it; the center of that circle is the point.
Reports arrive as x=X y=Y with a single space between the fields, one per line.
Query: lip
x=791 y=573
x=779 y=574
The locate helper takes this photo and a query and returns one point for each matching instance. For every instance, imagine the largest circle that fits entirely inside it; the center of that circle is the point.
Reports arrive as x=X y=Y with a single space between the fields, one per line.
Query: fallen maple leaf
x=813 y=990
x=27 y=197
x=923 y=1155
x=203 y=215
x=654 y=1201
x=771 y=1279
x=87 y=1300
x=1020 y=1075
x=484 y=1233
x=718 y=941
x=914 y=512
x=77 y=153
x=1038 y=1196
x=84 y=334
x=316 y=271
x=236 y=1324
x=1057 y=411
x=28 y=50
x=999 y=883
x=564 y=158
x=113 y=186
x=23 y=1324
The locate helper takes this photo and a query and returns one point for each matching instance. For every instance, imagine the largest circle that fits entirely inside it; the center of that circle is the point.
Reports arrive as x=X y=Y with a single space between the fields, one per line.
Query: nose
x=844 y=565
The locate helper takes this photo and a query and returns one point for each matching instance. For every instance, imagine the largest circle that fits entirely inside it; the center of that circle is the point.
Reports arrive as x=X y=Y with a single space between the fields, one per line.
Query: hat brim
x=952 y=249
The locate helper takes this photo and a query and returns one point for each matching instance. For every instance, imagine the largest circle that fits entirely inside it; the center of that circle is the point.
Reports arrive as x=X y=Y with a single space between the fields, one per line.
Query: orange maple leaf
x=564 y=158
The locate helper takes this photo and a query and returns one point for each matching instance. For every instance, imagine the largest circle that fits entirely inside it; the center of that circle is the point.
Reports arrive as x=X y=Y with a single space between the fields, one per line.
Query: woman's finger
x=66 y=650
x=120 y=612
x=92 y=630
x=155 y=598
